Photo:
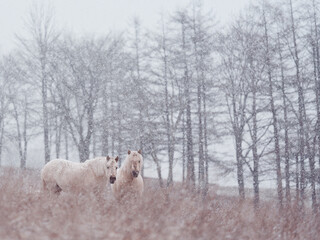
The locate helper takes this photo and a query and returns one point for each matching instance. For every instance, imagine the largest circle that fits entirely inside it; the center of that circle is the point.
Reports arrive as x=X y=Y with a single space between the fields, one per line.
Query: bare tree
x=4 y=105
x=285 y=119
x=181 y=19
x=37 y=47
x=79 y=89
x=235 y=87
x=272 y=106
x=299 y=84
x=18 y=93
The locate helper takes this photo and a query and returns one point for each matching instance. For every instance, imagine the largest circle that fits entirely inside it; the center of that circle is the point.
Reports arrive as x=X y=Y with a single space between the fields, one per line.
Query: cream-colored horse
x=91 y=176
x=129 y=182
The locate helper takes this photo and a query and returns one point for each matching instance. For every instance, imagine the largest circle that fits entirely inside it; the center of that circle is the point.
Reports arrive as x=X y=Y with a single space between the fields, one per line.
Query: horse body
x=129 y=182
x=92 y=175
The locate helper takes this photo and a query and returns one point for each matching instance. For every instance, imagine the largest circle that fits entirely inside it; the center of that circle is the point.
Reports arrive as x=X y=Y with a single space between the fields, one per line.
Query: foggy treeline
x=175 y=91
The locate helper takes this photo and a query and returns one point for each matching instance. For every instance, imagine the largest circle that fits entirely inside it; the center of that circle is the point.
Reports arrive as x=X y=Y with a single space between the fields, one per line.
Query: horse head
x=136 y=161
x=112 y=166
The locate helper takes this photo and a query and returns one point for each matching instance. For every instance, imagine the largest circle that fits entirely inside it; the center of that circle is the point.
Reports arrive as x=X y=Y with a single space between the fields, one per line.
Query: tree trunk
x=201 y=171
x=237 y=132
x=286 y=127
x=316 y=62
x=1 y=138
x=58 y=128
x=113 y=129
x=157 y=162
x=25 y=140
x=45 y=118
x=19 y=136
x=301 y=109
x=297 y=179
x=206 y=157
x=240 y=177
x=119 y=130
x=84 y=150
x=138 y=84
x=94 y=143
x=254 y=146
x=183 y=149
x=66 y=141
x=84 y=142
x=311 y=157
x=205 y=136
x=167 y=114
x=274 y=116
x=140 y=137
x=105 y=129
x=190 y=158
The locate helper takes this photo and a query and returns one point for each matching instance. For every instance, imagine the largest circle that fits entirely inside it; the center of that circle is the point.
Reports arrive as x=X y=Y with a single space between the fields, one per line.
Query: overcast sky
x=100 y=16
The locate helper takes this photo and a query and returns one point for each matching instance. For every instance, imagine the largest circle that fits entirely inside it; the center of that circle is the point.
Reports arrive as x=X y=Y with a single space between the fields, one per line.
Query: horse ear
x=108 y=158
x=140 y=151
x=117 y=158
x=129 y=152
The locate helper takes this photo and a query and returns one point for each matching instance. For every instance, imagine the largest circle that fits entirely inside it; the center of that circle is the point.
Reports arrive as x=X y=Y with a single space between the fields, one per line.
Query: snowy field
x=162 y=214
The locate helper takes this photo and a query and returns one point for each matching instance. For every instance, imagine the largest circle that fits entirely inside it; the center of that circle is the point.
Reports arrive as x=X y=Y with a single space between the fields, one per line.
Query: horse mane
x=126 y=163
x=96 y=166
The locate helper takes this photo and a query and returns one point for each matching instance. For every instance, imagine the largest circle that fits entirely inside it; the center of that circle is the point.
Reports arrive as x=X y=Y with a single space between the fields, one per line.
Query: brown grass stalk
x=174 y=213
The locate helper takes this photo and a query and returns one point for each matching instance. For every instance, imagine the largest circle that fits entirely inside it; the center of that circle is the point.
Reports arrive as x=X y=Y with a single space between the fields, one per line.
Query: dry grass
x=162 y=214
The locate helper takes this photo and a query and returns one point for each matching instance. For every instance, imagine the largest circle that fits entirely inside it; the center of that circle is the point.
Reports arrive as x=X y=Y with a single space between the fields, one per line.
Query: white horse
x=91 y=176
x=129 y=181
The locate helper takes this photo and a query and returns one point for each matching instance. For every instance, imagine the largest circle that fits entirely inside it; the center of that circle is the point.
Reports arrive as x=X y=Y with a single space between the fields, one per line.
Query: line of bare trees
x=271 y=79
x=177 y=91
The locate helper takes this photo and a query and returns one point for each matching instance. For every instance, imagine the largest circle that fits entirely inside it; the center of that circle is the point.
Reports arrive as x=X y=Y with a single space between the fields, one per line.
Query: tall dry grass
x=173 y=213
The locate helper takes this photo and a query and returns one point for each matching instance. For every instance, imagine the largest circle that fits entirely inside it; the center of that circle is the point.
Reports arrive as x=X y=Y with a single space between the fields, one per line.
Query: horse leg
x=44 y=186
x=98 y=194
x=53 y=188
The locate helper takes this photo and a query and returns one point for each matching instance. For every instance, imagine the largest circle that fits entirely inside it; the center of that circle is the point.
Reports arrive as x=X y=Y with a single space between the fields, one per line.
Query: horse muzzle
x=135 y=173
x=112 y=179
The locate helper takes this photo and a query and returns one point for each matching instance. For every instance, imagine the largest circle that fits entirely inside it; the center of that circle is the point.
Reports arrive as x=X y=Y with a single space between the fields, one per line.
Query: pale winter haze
x=214 y=104
x=100 y=16
x=94 y=18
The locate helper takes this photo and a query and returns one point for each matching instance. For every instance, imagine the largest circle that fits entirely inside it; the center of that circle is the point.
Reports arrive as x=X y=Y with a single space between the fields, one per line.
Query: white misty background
x=208 y=101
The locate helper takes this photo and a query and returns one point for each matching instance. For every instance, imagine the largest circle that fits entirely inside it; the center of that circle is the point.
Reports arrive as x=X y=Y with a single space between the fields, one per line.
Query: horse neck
x=94 y=161
x=126 y=169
